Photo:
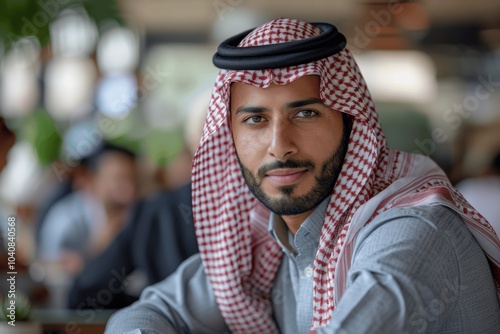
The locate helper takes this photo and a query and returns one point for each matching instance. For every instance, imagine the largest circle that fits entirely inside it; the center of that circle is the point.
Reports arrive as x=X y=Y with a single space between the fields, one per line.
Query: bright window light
x=399 y=76
x=116 y=95
x=73 y=34
x=118 y=51
x=70 y=87
x=19 y=89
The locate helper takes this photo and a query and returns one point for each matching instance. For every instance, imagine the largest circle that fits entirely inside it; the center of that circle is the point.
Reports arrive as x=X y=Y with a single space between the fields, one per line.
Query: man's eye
x=306 y=113
x=253 y=120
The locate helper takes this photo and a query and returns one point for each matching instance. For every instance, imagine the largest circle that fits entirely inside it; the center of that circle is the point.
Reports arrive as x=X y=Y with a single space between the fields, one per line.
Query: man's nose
x=282 y=141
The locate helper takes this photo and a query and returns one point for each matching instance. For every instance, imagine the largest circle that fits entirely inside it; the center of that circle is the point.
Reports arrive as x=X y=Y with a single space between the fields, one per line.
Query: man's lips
x=285 y=176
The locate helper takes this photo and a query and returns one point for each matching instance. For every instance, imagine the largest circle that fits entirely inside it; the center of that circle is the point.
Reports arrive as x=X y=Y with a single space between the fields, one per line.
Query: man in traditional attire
x=306 y=221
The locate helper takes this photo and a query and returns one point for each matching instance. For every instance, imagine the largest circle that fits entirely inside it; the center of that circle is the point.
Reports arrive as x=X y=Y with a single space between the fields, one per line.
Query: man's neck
x=293 y=222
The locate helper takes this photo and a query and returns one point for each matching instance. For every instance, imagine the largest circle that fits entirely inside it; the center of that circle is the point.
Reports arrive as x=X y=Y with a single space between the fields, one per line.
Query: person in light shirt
x=82 y=224
x=306 y=221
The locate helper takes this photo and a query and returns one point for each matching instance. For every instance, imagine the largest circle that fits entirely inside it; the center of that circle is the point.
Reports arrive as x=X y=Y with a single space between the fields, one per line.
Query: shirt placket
x=304 y=264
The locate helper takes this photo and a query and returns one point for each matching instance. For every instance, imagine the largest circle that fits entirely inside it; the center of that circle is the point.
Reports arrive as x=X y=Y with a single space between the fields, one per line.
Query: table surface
x=87 y=321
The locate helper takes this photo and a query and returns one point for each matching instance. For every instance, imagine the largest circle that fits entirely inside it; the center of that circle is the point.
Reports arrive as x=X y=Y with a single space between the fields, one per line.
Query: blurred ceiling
x=371 y=24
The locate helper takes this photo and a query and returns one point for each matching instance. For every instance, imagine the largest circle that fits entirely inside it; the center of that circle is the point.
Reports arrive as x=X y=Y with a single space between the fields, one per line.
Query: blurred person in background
x=483 y=193
x=82 y=224
x=70 y=170
x=59 y=190
x=65 y=186
x=158 y=237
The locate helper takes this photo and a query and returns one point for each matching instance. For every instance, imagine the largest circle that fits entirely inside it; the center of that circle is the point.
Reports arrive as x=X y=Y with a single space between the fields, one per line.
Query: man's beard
x=287 y=204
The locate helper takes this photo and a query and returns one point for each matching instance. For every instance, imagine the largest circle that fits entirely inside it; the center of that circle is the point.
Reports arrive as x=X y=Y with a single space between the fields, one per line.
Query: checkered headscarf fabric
x=239 y=256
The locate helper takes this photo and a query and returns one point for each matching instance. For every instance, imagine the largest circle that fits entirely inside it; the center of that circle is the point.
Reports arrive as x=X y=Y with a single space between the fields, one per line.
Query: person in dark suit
x=157 y=239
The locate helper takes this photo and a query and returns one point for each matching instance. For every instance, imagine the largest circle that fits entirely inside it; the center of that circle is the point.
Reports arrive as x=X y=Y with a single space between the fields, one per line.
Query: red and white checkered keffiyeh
x=240 y=258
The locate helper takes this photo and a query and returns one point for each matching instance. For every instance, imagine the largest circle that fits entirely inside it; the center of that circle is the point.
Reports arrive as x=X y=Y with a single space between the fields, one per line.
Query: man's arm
x=409 y=274
x=182 y=303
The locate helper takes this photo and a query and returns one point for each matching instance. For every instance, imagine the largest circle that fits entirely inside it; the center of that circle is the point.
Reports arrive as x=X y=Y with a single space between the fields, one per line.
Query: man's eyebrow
x=251 y=109
x=302 y=103
x=291 y=105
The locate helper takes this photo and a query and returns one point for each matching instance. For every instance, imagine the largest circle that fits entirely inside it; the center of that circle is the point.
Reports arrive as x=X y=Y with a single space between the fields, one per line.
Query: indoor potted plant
x=15 y=317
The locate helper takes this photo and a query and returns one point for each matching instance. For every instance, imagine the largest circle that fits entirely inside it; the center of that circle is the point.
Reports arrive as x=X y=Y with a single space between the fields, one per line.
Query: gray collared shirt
x=414 y=270
x=299 y=254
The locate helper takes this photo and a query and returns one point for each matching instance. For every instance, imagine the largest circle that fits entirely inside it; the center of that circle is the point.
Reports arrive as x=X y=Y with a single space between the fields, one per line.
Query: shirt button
x=308 y=271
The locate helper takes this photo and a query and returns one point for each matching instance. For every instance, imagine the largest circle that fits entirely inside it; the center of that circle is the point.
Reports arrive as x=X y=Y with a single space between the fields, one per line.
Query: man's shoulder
x=434 y=223
x=425 y=212
x=421 y=236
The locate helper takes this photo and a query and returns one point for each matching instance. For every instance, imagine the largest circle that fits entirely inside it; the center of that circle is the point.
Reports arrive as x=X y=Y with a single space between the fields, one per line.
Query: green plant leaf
x=22 y=18
x=40 y=131
x=21 y=308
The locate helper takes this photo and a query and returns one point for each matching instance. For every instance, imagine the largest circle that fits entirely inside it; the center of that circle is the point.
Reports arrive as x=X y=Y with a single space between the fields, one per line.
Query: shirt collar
x=310 y=228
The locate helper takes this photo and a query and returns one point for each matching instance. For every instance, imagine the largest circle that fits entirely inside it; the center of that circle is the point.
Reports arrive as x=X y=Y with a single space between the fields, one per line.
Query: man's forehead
x=303 y=86
x=313 y=80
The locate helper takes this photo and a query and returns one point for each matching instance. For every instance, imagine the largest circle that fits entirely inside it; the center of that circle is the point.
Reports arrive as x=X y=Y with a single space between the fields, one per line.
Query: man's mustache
x=285 y=164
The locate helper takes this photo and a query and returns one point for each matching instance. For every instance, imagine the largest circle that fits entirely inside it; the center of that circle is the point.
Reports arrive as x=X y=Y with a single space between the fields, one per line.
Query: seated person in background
x=483 y=193
x=306 y=221
x=82 y=224
x=158 y=237
x=58 y=191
